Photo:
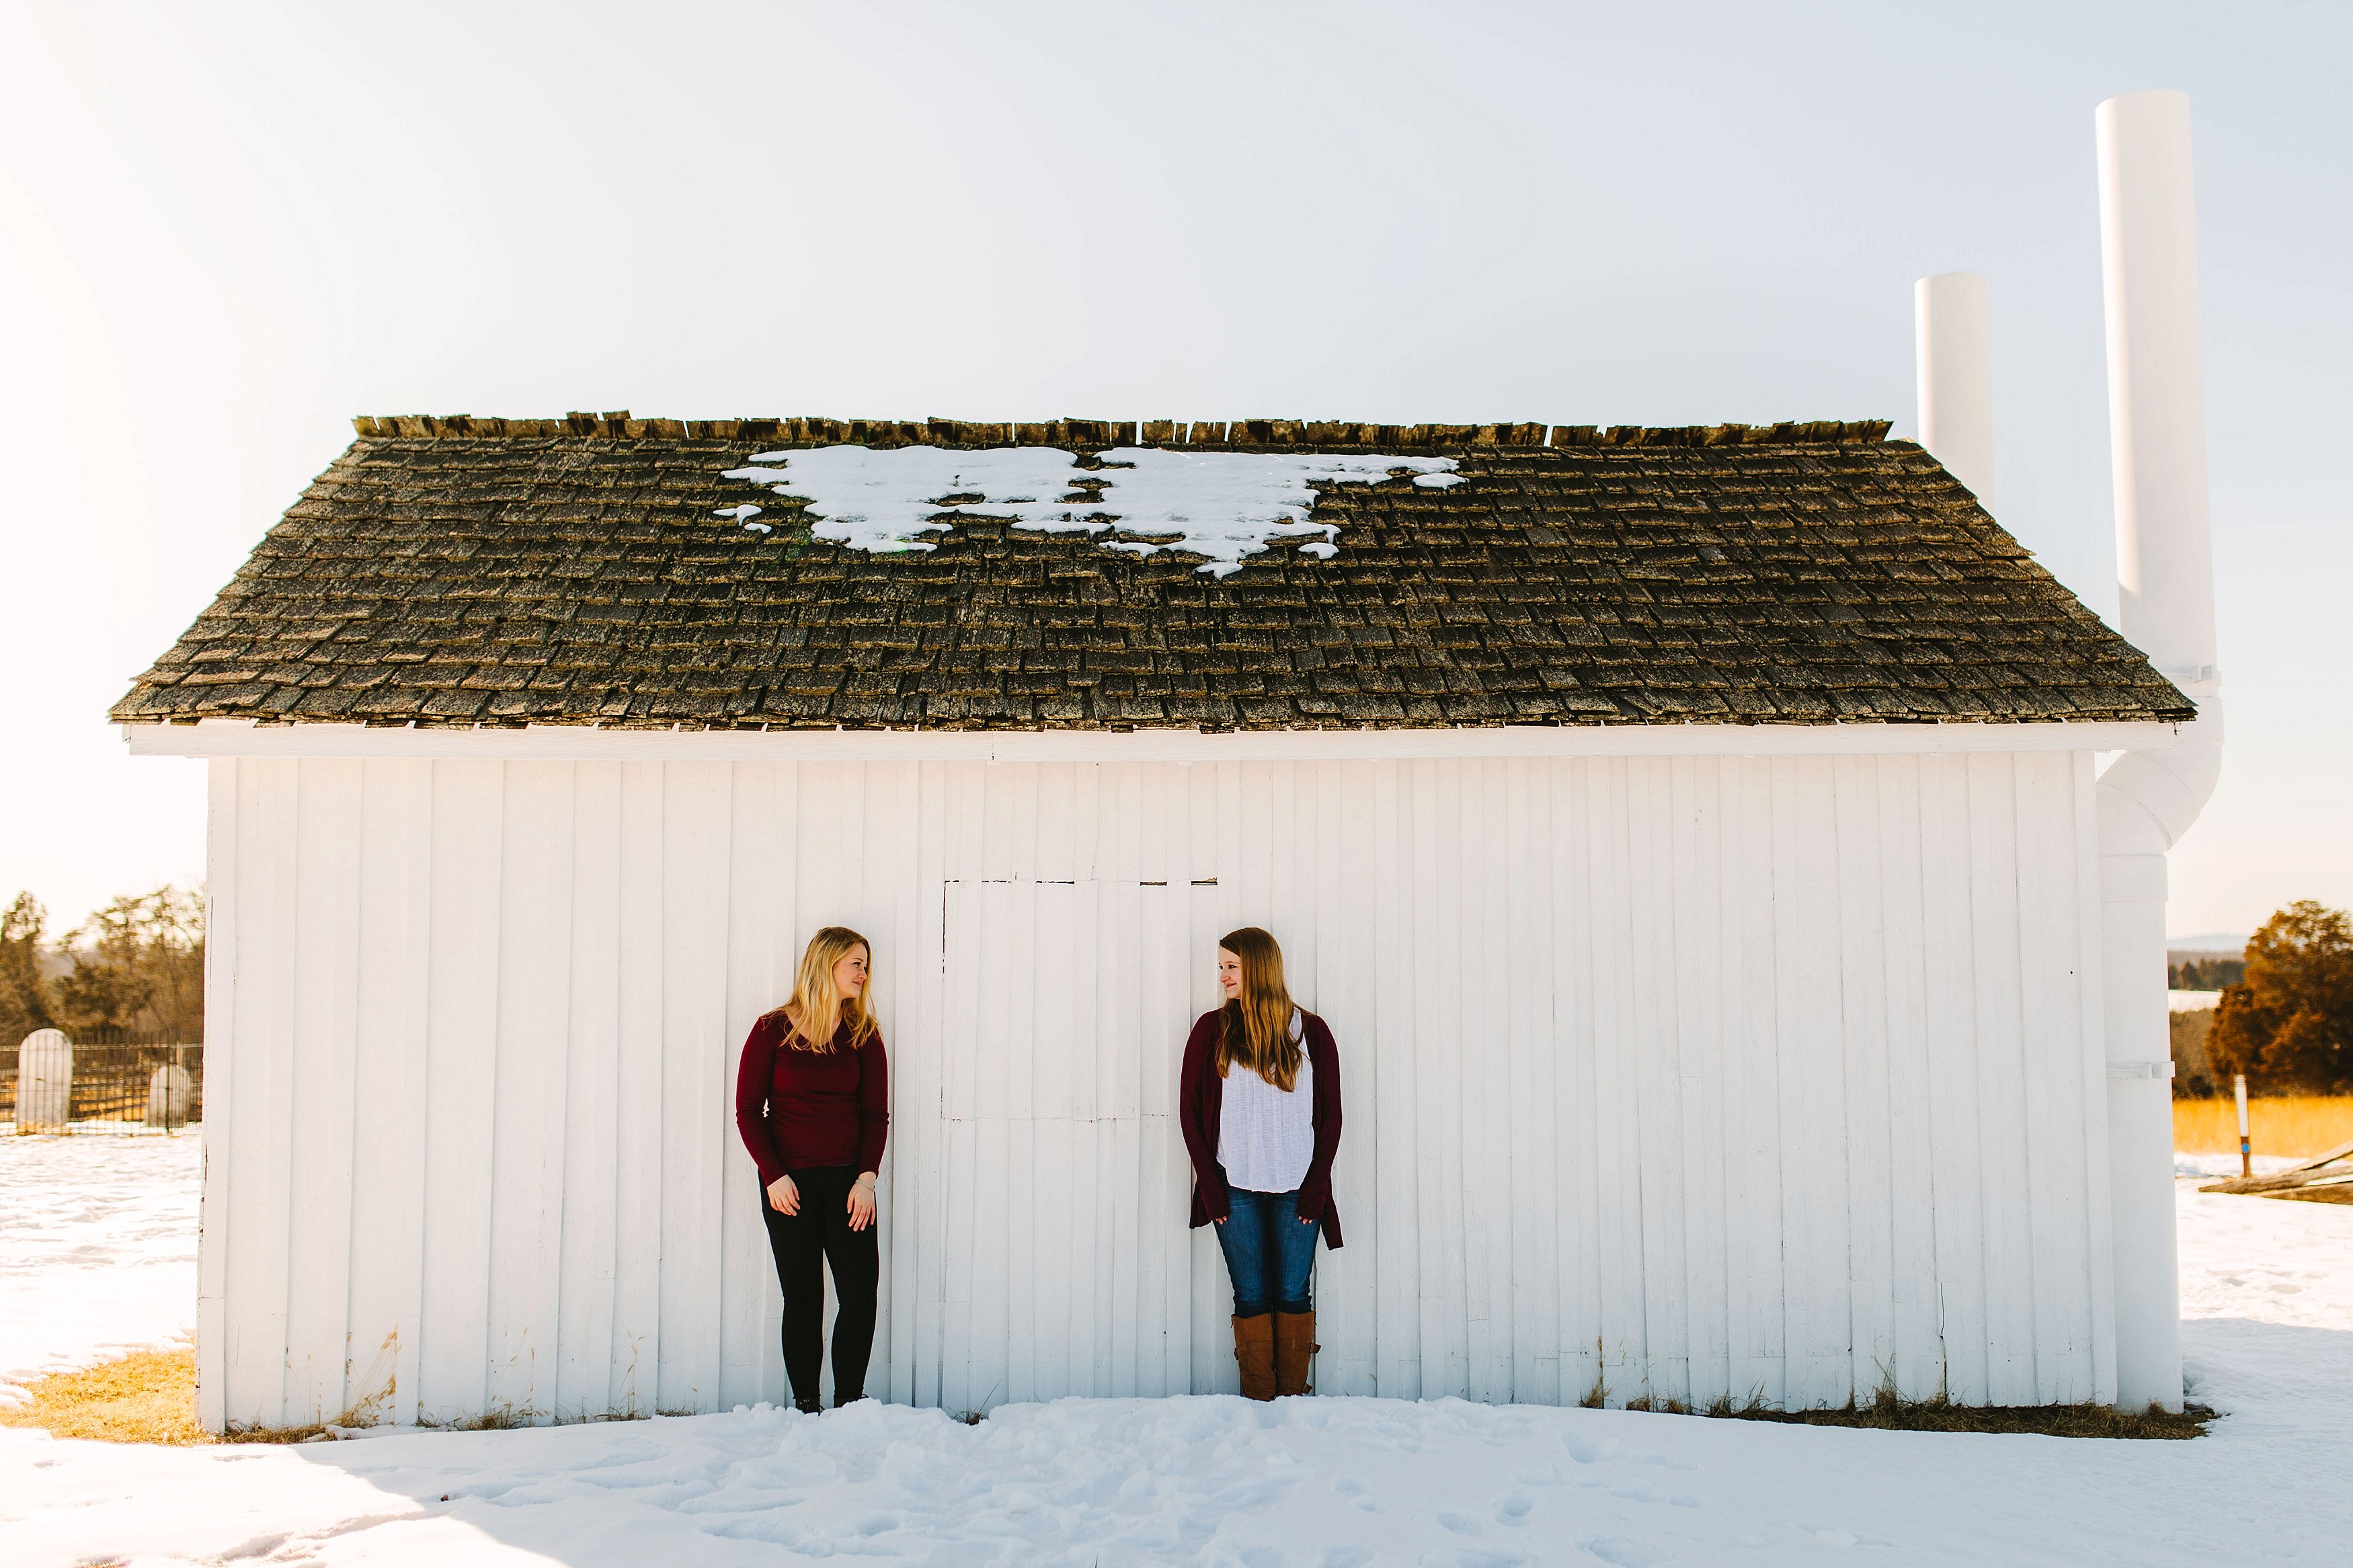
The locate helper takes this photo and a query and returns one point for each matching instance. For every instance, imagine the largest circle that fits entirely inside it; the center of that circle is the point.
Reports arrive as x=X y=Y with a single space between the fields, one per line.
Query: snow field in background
x=1221 y=505
x=1336 y=1483
x=97 y=1249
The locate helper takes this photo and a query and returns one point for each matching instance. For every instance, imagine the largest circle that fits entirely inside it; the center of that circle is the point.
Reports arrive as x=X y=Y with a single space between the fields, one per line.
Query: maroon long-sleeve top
x=801 y=1111
x=1201 y=1103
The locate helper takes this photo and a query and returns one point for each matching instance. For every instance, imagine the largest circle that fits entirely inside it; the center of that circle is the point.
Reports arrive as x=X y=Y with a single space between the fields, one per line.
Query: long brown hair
x=814 y=1010
x=1257 y=1031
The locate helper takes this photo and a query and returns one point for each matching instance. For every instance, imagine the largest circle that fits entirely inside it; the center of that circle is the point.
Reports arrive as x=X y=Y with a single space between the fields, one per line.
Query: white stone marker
x=167 y=1097
x=43 y=1081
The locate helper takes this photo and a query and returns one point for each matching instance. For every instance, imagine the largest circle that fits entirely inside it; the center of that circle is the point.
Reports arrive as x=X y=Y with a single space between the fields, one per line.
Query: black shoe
x=809 y=1406
x=840 y=1399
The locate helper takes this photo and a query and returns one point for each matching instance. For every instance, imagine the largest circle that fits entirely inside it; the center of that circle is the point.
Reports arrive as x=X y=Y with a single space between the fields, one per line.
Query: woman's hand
x=861 y=1201
x=782 y=1196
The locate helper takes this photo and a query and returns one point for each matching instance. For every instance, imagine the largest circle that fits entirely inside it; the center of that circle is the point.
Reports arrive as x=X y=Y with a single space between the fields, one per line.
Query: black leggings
x=822 y=1229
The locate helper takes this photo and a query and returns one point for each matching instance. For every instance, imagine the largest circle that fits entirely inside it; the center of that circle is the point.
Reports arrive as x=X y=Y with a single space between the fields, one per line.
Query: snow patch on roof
x=1225 y=506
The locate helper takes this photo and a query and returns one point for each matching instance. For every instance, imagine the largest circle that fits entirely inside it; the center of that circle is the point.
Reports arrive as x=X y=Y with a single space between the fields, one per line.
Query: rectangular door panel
x=1064 y=1266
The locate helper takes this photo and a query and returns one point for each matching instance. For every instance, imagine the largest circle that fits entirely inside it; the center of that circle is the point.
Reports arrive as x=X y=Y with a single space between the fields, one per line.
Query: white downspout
x=2164 y=575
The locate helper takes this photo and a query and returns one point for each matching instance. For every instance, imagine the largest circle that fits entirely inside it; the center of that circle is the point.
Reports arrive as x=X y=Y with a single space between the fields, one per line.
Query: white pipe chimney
x=2157 y=385
x=1953 y=342
x=2148 y=799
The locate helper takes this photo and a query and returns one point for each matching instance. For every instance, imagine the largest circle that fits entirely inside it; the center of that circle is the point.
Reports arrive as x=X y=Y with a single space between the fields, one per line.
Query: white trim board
x=572 y=742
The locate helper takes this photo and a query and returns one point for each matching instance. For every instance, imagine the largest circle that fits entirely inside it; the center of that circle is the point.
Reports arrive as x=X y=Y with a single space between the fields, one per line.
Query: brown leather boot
x=1254 y=1349
x=1294 y=1341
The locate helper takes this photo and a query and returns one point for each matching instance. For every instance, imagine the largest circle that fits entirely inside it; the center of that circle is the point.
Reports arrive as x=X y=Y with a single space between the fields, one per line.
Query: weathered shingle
x=464 y=572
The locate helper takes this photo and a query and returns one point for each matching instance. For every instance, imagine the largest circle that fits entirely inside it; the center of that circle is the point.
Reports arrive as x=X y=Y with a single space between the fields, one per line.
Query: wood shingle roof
x=476 y=571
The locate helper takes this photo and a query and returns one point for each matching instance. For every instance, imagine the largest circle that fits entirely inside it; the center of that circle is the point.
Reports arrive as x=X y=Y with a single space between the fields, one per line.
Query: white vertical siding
x=590 y=1093
x=1683 y=1077
x=387 y=1224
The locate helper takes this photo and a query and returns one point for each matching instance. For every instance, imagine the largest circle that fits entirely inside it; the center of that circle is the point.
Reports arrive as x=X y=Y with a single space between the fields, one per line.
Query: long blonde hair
x=1257 y=1031
x=814 y=1012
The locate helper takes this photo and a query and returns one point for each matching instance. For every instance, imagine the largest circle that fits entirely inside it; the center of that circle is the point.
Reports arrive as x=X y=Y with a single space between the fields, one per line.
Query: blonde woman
x=813 y=1104
x=1259 y=1101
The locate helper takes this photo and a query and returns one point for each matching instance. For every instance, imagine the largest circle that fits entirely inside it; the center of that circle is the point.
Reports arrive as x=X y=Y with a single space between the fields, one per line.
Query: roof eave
x=575 y=743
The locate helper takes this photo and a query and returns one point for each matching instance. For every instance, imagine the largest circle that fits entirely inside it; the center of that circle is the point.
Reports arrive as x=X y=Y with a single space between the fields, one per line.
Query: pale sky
x=225 y=229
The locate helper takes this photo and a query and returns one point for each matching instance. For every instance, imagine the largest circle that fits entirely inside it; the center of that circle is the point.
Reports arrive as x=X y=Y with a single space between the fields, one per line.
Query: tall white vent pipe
x=2148 y=799
x=1953 y=340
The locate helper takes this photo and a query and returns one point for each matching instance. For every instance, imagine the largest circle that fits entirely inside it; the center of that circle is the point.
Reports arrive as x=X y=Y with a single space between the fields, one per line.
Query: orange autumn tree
x=2289 y=1025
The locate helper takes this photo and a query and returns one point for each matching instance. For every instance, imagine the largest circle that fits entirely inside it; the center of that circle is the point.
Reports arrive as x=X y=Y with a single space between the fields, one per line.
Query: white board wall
x=1691 y=1077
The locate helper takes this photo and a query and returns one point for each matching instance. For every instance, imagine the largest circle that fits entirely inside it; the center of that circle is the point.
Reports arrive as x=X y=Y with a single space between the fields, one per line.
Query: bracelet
x=863 y=1182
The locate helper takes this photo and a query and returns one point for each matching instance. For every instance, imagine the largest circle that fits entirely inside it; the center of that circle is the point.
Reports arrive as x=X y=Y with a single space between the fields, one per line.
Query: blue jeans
x=1269 y=1253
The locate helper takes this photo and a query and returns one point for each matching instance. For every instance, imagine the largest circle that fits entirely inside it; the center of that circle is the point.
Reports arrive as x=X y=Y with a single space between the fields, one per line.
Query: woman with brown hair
x=813 y=1104
x=1262 y=1141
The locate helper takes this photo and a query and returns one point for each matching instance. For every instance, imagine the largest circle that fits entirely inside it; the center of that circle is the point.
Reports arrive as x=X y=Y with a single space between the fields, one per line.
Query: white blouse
x=1266 y=1138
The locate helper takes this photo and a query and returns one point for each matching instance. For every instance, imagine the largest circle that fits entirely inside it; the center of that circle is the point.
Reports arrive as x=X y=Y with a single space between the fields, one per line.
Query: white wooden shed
x=1744 y=985
x=1690 y=835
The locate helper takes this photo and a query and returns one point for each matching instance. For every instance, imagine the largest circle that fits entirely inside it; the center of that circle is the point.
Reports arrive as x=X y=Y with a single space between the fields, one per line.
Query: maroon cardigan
x=801 y=1111
x=1201 y=1096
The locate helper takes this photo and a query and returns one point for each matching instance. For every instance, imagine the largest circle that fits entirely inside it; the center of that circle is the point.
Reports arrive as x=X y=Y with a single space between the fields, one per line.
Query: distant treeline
x=136 y=965
x=2205 y=973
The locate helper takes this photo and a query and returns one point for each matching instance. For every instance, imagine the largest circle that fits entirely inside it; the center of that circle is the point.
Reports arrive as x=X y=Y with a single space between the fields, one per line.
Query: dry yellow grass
x=2297 y=1124
x=148 y=1396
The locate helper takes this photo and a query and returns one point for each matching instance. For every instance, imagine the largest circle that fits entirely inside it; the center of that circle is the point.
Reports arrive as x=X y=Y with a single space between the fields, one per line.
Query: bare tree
x=26 y=1002
x=139 y=963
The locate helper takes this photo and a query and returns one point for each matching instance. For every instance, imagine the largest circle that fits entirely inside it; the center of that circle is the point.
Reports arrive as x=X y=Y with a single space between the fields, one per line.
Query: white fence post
x=44 y=1082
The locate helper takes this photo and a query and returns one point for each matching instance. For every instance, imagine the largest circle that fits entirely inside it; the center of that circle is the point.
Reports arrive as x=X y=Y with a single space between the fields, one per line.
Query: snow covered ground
x=1299 y=1484
x=98 y=1248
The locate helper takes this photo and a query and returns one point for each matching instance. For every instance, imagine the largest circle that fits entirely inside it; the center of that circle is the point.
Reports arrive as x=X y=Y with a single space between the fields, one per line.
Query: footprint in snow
x=1594 y=1451
x=1513 y=1509
x=1622 y=1553
x=1476 y=1557
x=1828 y=1535
x=1344 y=1557
x=1455 y=1519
